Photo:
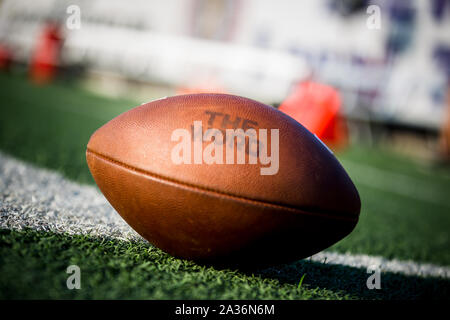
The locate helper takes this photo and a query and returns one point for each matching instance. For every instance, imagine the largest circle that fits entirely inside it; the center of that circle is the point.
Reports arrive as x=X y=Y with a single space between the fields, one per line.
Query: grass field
x=405 y=215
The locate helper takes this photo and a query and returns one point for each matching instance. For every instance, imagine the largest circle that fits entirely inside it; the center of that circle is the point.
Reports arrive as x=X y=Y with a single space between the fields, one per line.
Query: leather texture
x=222 y=212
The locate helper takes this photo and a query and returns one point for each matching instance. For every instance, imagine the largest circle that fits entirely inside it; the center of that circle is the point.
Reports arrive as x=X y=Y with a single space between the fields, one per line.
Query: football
x=222 y=178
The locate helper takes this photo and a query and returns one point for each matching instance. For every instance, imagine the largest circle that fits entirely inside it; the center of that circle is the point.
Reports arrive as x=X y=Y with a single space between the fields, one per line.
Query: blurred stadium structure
x=397 y=74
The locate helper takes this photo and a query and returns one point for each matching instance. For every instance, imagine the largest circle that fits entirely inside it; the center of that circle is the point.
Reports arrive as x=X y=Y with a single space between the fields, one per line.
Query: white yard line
x=44 y=200
x=371 y=262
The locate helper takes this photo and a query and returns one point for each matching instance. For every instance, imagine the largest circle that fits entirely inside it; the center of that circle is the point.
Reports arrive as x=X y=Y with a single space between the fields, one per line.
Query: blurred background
x=369 y=78
x=382 y=66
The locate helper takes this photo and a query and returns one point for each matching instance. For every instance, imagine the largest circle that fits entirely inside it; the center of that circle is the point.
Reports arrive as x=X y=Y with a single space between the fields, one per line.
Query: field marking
x=396 y=183
x=44 y=200
x=397 y=266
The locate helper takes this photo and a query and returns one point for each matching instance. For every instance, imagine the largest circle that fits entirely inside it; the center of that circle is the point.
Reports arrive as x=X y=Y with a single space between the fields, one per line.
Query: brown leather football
x=222 y=178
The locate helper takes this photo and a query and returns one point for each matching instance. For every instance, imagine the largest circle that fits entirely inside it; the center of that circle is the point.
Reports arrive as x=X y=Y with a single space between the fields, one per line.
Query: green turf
x=51 y=125
x=35 y=264
x=395 y=222
x=405 y=210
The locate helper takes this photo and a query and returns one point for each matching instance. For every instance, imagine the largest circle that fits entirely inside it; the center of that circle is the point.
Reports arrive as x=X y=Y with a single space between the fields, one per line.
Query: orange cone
x=45 y=58
x=317 y=107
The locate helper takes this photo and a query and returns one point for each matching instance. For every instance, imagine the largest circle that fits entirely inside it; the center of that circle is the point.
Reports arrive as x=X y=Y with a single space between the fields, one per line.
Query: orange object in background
x=186 y=90
x=317 y=107
x=5 y=58
x=45 y=58
x=208 y=84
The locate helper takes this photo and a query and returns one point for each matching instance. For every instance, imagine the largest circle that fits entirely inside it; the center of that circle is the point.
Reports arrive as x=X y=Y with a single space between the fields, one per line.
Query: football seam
x=217 y=193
